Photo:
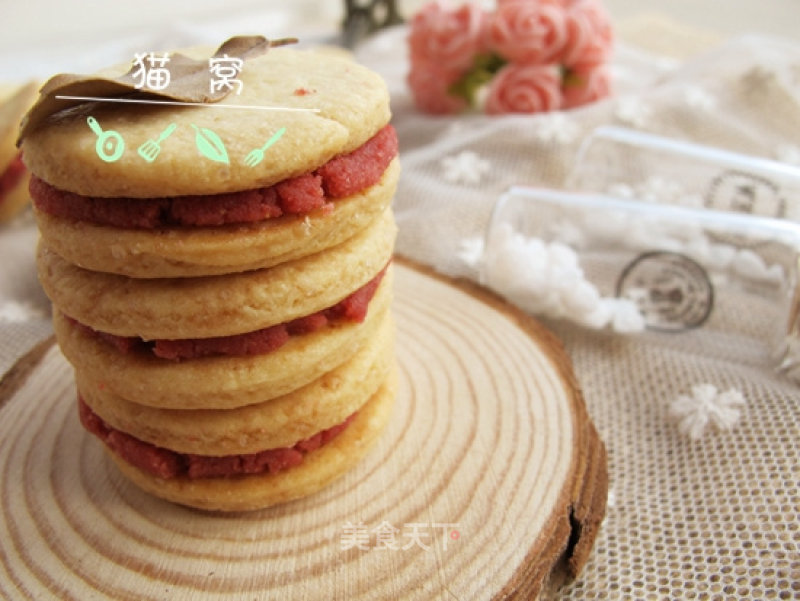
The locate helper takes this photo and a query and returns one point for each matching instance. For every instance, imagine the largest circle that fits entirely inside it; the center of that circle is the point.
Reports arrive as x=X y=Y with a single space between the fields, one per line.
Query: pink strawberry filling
x=164 y=463
x=352 y=308
x=342 y=176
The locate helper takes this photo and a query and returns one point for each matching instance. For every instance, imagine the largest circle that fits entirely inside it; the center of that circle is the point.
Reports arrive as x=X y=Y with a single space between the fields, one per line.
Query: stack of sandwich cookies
x=228 y=321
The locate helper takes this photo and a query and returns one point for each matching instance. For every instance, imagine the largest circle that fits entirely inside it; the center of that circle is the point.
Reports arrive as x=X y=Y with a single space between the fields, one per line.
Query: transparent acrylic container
x=625 y=163
x=630 y=266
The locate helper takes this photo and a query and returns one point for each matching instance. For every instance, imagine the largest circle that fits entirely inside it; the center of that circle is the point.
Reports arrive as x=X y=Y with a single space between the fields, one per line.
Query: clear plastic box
x=630 y=266
x=625 y=163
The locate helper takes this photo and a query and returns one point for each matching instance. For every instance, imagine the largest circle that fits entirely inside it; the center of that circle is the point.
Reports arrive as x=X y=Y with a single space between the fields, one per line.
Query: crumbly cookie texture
x=14 y=101
x=192 y=252
x=216 y=305
x=352 y=104
x=319 y=468
x=219 y=382
x=280 y=422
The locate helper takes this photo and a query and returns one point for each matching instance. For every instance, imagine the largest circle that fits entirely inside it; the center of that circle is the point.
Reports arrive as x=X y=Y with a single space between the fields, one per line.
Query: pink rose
x=589 y=34
x=524 y=89
x=527 y=31
x=449 y=38
x=429 y=85
x=585 y=85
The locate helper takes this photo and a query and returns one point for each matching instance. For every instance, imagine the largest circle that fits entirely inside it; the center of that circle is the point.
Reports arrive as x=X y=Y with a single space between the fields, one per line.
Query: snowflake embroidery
x=556 y=127
x=706 y=405
x=656 y=189
x=659 y=189
x=633 y=111
x=466 y=167
x=698 y=98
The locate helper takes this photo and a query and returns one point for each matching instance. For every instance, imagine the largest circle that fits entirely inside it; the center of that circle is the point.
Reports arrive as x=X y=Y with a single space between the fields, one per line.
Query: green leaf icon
x=210 y=145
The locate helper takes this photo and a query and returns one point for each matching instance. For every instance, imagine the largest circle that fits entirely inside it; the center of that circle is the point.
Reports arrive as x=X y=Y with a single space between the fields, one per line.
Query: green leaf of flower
x=571 y=79
x=484 y=67
x=210 y=145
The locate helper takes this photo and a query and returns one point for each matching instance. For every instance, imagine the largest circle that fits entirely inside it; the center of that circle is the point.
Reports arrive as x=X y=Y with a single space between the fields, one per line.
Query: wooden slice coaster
x=489 y=483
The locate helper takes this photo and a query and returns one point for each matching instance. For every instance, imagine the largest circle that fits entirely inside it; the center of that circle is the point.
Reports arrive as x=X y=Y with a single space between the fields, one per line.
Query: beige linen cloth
x=709 y=518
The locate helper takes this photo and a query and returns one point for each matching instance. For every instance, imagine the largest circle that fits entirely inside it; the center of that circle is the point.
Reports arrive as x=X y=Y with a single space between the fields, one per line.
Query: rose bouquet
x=526 y=56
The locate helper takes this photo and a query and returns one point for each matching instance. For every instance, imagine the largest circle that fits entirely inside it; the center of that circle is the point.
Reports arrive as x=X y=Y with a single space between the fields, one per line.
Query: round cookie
x=277 y=423
x=318 y=469
x=219 y=382
x=216 y=305
x=191 y=252
x=352 y=104
x=15 y=101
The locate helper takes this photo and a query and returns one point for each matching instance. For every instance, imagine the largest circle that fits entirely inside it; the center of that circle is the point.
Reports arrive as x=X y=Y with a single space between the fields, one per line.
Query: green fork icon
x=257 y=155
